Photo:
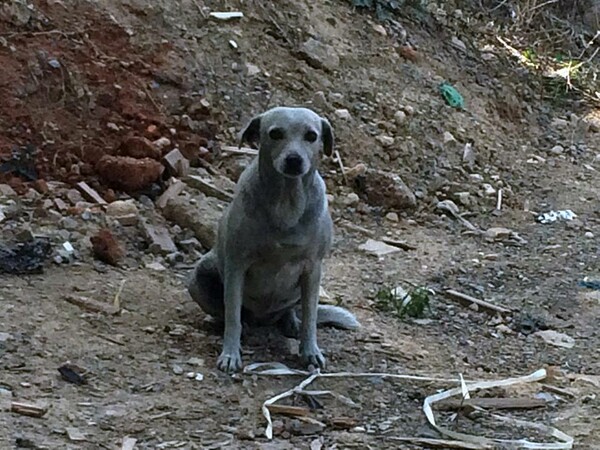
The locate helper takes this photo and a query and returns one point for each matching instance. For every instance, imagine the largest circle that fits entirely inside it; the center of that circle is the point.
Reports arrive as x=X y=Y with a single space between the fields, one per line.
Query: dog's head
x=290 y=138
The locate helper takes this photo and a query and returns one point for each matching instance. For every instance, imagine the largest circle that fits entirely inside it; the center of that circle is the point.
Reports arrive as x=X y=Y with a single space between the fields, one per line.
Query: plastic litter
x=452 y=96
x=553 y=216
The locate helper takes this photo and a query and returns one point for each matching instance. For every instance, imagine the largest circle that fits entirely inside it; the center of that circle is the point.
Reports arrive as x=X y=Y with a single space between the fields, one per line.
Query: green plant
x=413 y=303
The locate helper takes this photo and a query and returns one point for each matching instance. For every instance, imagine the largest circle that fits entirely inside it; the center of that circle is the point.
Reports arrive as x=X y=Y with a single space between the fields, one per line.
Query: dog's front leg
x=230 y=359
x=309 y=349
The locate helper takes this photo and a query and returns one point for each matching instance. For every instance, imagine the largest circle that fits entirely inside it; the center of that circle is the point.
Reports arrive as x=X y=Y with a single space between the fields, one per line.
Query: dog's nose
x=293 y=164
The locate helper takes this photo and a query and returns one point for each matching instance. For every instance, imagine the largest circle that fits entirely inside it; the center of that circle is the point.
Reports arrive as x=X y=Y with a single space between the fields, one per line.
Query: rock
x=319 y=55
x=464 y=198
x=343 y=114
x=385 y=141
x=400 y=118
x=589 y=235
x=7 y=191
x=392 y=217
x=41 y=186
x=202 y=218
x=177 y=370
x=469 y=156
x=74 y=196
x=106 y=248
x=379 y=29
x=15 y=12
x=555 y=338
x=457 y=43
x=252 y=70
x=560 y=124
x=159 y=238
x=156 y=266
x=320 y=101
x=379 y=188
x=488 y=190
x=557 y=150
x=448 y=137
x=129 y=174
x=176 y=188
x=377 y=248
x=351 y=199
x=189 y=245
x=475 y=178
x=498 y=233
x=162 y=143
x=123 y=211
x=139 y=147
x=177 y=164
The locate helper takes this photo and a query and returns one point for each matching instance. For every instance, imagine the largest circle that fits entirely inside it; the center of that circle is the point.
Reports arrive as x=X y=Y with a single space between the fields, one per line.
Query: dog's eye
x=276 y=134
x=310 y=136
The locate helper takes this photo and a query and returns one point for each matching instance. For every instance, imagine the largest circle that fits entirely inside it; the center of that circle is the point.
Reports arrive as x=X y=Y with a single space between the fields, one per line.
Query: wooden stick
x=341 y=164
x=399 y=244
x=493 y=403
x=208 y=188
x=27 y=409
x=482 y=303
x=92 y=305
x=294 y=411
x=239 y=151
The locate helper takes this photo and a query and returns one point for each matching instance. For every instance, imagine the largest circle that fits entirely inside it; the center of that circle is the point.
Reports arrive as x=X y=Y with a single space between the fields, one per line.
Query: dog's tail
x=337 y=317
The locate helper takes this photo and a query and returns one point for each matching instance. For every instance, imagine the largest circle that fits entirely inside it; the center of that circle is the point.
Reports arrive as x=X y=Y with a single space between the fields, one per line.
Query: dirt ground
x=77 y=78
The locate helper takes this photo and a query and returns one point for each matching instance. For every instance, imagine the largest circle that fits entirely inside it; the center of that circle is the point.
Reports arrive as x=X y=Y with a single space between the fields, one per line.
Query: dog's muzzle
x=293 y=165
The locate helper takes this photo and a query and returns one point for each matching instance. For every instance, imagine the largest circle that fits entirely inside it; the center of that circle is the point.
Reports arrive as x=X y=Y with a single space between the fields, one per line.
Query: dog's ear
x=327 y=137
x=251 y=132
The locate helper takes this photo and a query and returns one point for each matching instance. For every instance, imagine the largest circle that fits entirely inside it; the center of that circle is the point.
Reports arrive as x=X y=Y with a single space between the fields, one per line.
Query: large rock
x=128 y=174
x=202 y=218
x=379 y=188
x=319 y=55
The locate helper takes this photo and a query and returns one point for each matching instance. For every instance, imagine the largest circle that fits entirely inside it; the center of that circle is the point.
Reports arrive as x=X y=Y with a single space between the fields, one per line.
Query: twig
x=208 y=188
x=399 y=244
x=482 y=303
x=493 y=403
x=239 y=151
x=200 y=10
x=92 y=305
x=117 y=300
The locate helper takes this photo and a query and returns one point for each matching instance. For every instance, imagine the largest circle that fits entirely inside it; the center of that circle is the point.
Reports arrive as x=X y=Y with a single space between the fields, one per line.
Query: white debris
x=553 y=216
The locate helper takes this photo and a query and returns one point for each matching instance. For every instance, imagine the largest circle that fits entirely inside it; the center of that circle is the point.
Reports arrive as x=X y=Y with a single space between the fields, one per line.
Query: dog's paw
x=229 y=362
x=311 y=356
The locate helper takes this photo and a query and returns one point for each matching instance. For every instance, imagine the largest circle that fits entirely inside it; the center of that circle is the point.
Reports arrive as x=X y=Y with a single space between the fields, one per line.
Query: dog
x=272 y=239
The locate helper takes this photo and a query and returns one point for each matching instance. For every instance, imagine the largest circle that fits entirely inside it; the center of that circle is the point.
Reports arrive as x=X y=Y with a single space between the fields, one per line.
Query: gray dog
x=272 y=239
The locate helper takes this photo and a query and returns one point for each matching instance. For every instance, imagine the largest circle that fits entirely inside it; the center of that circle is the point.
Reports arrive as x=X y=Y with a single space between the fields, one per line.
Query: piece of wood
x=176 y=188
x=492 y=403
x=472 y=300
x=92 y=305
x=90 y=193
x=28 y=409
x=399 y=244
x=208 y=188
x=294 y=411
x=239 y=151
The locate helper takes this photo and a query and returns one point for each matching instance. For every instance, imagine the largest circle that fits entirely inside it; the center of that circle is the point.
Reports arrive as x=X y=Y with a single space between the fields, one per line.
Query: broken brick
x=129 y=174
x=139 y=147
x=106 y=247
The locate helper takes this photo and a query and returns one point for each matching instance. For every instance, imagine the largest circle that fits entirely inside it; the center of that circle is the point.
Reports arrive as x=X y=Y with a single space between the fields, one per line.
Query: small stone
x=379 y=29
x=464 y=198
x=351 y=199
x=190 y=375
x=560 y=124
x=162 y=143
x=456 y=42
x=377 y=248
x=392 y=217
x=408 y=109
x=557 y=150
x=177 y=164
x=199 y=377
x=319 y=100
x=448 y=137
x=158 y=267
x=159 y=238
x=123 y=211
x=7 y=191
x=476 y=178
x=385 y=141
x=177 y=370
x=343 y=114
x=252 y=69
x=319 y=55
x=589 y=234
x=193 y=361
x=400 y=117
x=488 y=190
